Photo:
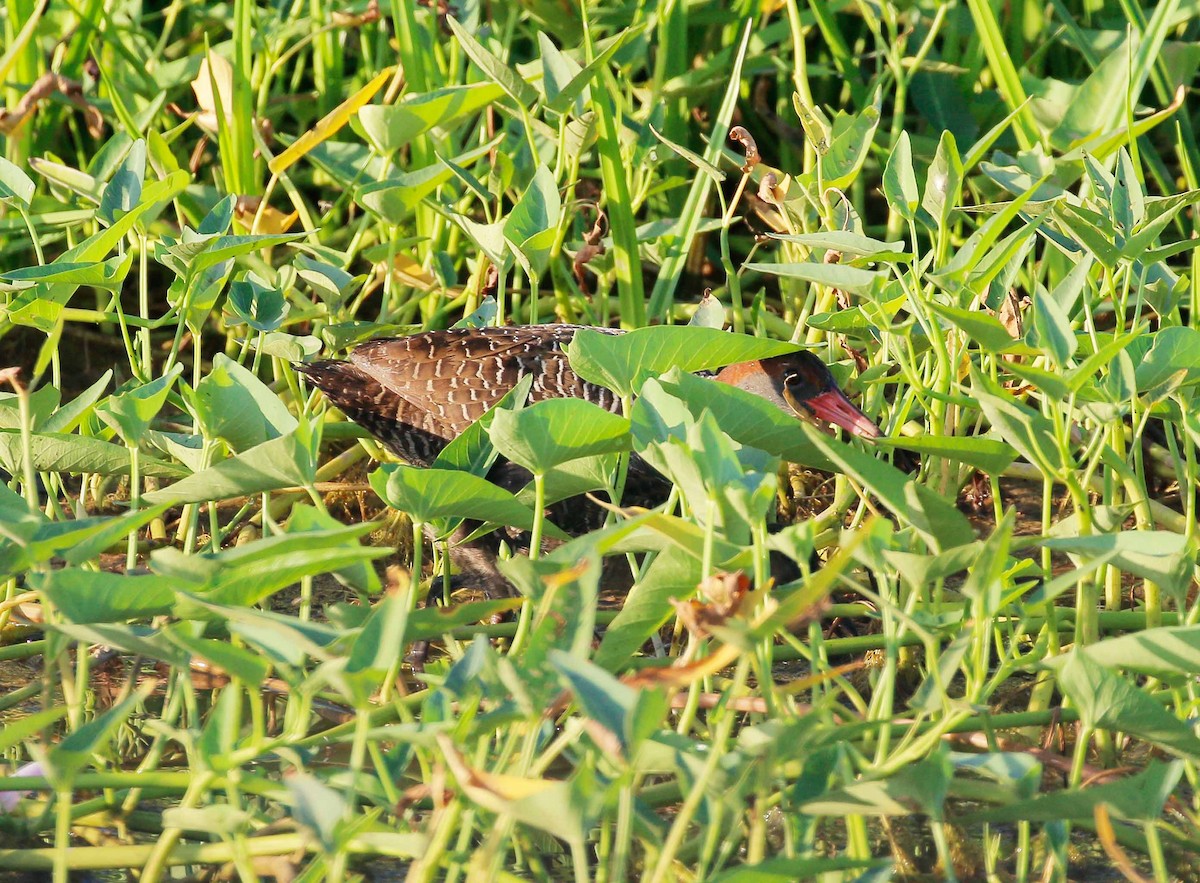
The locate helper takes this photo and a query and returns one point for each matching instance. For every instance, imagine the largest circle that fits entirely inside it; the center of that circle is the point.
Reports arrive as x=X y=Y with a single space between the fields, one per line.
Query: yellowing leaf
x=492 y=790
x=270 y=220
x=330 y=124
x=213 y=70
x=410 y=272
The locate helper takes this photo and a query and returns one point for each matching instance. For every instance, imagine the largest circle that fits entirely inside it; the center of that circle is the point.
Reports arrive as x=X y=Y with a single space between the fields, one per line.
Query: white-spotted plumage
x=417 y=393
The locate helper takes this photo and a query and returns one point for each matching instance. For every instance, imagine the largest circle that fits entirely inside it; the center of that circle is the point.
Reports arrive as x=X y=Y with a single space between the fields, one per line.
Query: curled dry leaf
x=593 y=244
x=418 y=793
x=491 y=283
x=743 y=137
x=978 y=492
x=43 y=87
x=724 y=593
x=196 y=159
x=834 y=256
x=1011 y=314
x=768 y=189
x=860 y=360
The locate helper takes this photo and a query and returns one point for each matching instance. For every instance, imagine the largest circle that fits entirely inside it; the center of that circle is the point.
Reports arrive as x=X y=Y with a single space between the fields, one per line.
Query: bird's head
x=800 y=383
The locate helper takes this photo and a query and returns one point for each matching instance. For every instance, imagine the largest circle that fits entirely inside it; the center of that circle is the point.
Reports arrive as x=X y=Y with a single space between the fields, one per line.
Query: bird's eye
x=798 y=385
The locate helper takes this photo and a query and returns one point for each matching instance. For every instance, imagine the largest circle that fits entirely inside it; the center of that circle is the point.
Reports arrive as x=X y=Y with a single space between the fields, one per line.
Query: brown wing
x=456 y=375
x=409 y=432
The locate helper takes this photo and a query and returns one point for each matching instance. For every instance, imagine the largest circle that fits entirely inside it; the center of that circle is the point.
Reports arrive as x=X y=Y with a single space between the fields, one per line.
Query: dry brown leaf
x=593 y=246
x=43 y=87
x=741 y=135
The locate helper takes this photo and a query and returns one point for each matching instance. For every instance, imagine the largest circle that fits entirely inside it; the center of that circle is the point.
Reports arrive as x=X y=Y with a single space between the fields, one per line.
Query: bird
x=419 y=392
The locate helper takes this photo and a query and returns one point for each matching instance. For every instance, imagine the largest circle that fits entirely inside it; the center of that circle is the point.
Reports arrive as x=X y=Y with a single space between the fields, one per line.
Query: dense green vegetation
x=984 y=214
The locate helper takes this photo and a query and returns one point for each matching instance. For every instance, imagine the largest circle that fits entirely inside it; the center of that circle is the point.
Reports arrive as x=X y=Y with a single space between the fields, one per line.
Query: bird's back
x=417 y=393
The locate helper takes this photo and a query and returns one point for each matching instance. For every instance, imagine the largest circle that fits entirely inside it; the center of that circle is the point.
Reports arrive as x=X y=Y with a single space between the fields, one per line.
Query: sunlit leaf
x=554 y=431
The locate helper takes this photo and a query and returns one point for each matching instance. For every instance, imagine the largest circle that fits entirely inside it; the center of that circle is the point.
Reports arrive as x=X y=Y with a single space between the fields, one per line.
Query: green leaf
x=72 y=179
x=852 y=139
x=532 y=225
x=920 y=787
x=674 y=573
x=744 y=417
x=1051 y=385
x=1175 y=348
x=319 y=809
x=493 y=68
x=15 y=184
x=75 y=540
x=287 y=461
x=66 y=759
x=696 y=160
x=943 y=182
x=397 y=197
x=426 y=494
x=847 y=242
x=1128 y=200
x=1139 y=797
x=630 y=715
x=307 y=519
x=124 y=190
x=431 y=622
x=245 y=575
x=831 y=275
x=58 y=452
x=66 y=418
x=1110 y=702
x=1159 y=652
x=88 y=596
x=1156 y=555
x=135 y=640
x=219 y=218
x=288 y=347
x=976 y=258
x=985 y=454
x=936 y=519
x=231 y=403
x=566 y=91
x=1026 y=430
x=381 y=641
x=563 y=588
x=900 y=181
x=557 y=71
x=554 y=431
x=1052 y=328
x=472 y=451
x=41 y=404
x=25 y=727
x=256 y=305
x=392 y=126
x=622 y=362
x=130 y=413
x=710 y=313
x=106 y=275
